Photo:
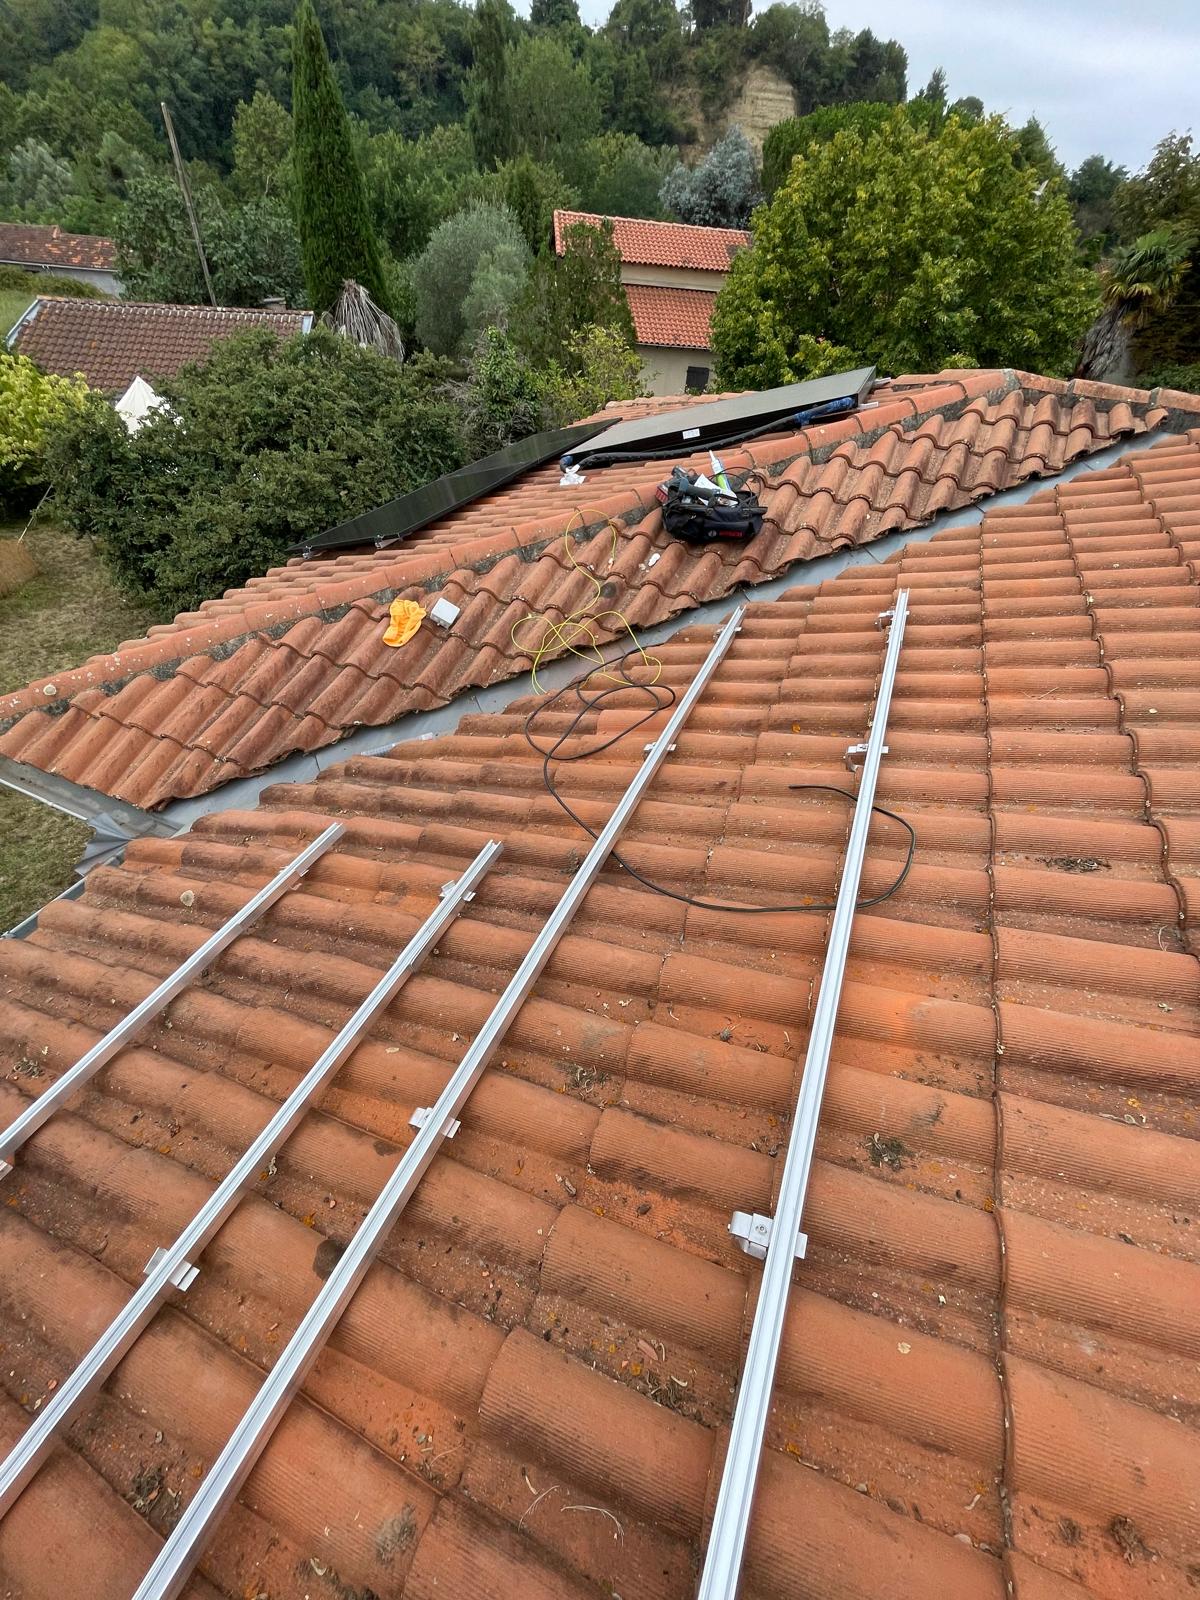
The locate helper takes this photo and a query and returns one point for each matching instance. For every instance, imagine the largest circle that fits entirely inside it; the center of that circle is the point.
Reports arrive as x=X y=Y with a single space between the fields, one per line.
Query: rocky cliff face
x=764 y=99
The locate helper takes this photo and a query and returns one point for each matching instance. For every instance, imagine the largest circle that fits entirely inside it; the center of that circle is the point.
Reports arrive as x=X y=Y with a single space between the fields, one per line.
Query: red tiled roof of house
x=678 y=318
x=993 y=1335
x=662 y=244
x=23 y=244
x=295 y=660
x=111 y=341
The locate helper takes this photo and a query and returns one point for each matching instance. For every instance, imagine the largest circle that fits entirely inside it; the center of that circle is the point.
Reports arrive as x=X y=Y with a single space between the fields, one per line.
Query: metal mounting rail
x=102 y=1052
x=191 y=1533
x=781 y=1235
x=176 y=1267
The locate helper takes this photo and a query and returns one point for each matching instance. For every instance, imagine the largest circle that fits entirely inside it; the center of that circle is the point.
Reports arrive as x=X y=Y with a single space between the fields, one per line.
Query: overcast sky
x=1102 y=75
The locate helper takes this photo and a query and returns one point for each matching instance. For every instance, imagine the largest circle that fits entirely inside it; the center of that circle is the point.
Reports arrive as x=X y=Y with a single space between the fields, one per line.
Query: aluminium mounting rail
x=191 y=1533
x=102 y=1052
x=176 y=1267
x=781 y=1234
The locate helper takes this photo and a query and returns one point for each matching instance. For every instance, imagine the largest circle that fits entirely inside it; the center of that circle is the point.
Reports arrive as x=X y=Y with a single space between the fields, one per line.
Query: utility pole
x=186 y=191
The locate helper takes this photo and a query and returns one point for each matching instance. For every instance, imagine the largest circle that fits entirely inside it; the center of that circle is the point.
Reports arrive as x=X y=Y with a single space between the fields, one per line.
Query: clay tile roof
x=26 y=245
x=989 y=1381
x=662 y=244
x=667 y=316
x=294 y=660
x=111 y=341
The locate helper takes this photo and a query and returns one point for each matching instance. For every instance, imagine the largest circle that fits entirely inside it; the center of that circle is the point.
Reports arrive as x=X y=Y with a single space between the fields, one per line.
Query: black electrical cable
x=662 y=696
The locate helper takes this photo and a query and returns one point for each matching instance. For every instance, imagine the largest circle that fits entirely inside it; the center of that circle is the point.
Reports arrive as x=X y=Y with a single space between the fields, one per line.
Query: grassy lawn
x=69 y=611
x=12 y=303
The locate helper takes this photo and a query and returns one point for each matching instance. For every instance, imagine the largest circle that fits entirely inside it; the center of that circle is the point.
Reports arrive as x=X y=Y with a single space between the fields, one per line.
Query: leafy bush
x=568 y=293
x=15 y=280
x=906 y=246
x=1185 y=377
x=483 y=243
x=270 y=442
x=508 y=396
x=32 y=406
x=621 y=177
x=721 y=192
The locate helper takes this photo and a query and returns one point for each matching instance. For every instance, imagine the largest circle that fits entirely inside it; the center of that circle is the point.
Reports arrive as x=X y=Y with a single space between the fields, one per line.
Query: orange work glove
x=407 y=617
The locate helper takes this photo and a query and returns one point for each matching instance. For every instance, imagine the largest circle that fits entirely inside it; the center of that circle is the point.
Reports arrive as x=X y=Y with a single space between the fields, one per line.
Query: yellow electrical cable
x=582 y=624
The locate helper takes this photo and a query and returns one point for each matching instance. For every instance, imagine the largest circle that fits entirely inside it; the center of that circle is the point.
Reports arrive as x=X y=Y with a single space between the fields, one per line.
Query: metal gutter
x=90 y=1063
x=781 y=1235
x=27 y=316
x=174 y=1563
x=177 y=1267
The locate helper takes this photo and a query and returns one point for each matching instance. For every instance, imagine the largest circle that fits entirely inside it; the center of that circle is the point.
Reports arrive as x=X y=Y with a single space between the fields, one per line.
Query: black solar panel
x=694 y=427
x=409 y=512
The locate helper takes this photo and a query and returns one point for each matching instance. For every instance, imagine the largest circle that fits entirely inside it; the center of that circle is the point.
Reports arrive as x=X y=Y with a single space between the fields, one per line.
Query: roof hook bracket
x=185 y=1273
x=752 y=1232
x=422 y=1115
x=885 y=617
x=854 y=754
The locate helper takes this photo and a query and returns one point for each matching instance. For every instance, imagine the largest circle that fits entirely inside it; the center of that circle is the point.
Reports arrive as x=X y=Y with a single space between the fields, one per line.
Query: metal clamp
x=646 y=748
x=859 y=750
x=449 y=888
x=884 y=617
x=185 y=1273
x=753 y=1234
x=422 y=1115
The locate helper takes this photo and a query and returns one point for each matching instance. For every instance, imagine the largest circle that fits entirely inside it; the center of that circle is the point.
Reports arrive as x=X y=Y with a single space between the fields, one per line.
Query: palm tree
x=1139 y=281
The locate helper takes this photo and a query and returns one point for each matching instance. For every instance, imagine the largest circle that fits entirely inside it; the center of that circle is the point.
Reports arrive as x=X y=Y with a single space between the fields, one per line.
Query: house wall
x=672 y=277
x=664 y=371
x=106 y=282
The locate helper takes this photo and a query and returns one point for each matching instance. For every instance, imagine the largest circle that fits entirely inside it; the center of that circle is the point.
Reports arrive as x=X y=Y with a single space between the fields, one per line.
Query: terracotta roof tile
x=111 y=341
x=27 y=245
x=988 y=1377
x=671 y=317
x=300 y=649
x=662 y=244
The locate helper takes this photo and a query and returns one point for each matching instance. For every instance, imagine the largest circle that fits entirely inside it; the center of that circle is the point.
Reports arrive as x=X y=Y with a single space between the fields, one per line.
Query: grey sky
x=1102 y=75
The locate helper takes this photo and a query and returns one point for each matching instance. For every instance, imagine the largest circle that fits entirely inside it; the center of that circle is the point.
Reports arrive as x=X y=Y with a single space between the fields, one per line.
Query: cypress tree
x=337 y=240
x=489 y=114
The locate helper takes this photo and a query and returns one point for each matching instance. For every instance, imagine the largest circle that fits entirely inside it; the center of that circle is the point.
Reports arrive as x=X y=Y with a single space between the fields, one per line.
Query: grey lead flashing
x=112 y=821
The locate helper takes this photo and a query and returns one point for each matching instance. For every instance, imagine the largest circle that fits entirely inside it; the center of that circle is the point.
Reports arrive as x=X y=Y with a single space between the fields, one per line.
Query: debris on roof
x=989 y=1379
x=295 y=660
x=111 y=341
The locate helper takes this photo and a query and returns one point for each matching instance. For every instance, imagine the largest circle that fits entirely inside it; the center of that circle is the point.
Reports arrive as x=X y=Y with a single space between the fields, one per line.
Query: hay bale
x=16 y=565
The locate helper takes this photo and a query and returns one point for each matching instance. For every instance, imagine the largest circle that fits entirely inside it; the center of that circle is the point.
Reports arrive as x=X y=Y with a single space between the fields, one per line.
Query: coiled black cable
x=661 y=696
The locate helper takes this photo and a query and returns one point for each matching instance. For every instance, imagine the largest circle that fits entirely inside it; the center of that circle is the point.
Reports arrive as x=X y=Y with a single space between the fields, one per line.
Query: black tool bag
x=688 y=516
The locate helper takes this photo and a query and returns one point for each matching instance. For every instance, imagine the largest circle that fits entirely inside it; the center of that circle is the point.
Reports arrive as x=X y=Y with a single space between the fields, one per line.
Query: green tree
x=719 y=193
x=252 y=249
x=1092 y=190
x=620 y=176
x=467 y=277
x=262 y=148
x=568 y=293
x=336 y=237
x=413 y=184
x=32 y=406
x=554 y=14
x=796 y=136
x=490 y=100
x=1167 y=194
x=555 y=104
x=38 y=186
x=1034 y=151
x=269 y=442
x=910 y=248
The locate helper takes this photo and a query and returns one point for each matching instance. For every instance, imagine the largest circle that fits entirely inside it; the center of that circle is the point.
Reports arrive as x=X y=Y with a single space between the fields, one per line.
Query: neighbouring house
x=85 y=256
x=111 y=342
x=671 y=272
